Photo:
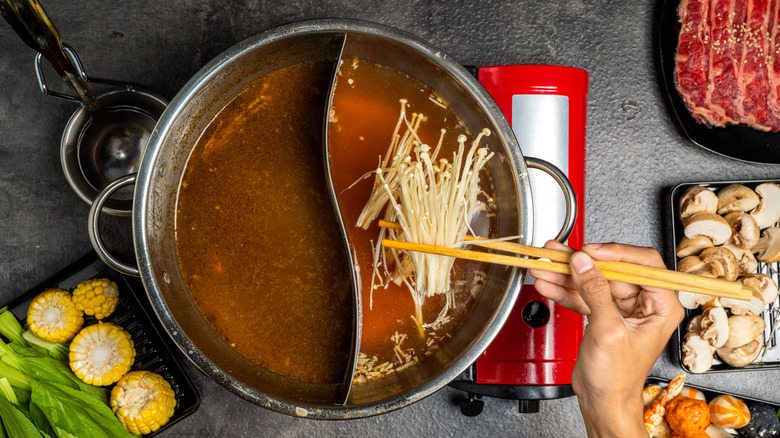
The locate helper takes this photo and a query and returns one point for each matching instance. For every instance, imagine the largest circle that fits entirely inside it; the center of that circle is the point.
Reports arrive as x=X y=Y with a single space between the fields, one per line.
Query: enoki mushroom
x=433 y=200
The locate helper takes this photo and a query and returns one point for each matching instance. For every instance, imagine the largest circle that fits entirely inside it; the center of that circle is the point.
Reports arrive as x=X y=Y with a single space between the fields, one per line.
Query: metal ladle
x=106 y=137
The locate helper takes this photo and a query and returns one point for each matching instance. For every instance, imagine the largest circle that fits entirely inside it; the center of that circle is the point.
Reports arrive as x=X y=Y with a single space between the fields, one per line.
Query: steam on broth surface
x=256 y=236
x=363 y=119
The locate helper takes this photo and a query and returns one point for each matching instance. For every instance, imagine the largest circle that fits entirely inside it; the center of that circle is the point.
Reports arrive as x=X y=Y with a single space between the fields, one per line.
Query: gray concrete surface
x=635 y=152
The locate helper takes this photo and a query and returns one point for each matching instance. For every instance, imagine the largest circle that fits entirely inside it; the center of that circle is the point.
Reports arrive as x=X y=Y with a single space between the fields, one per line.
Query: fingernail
x=581 y=262
x=593 y=245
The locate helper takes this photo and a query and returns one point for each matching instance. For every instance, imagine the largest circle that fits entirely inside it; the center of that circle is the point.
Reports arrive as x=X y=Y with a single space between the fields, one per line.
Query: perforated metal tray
x=134 y=314
x=770 y=357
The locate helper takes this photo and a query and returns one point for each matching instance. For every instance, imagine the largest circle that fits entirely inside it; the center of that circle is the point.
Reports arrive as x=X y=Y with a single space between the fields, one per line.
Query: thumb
x=594 y=289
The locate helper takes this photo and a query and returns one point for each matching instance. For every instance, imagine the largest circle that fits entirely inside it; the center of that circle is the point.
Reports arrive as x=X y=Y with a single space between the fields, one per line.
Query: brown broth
x=364 y=113
x=257 y=240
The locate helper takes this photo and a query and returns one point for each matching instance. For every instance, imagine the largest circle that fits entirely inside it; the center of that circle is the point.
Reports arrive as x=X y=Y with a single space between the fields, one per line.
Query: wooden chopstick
x=558 y=261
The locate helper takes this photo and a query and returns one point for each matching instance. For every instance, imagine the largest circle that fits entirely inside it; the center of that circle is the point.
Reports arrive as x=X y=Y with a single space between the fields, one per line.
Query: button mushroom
x=745 y=259
x=693 y=246
x=764 y=287
x=698 y=199
x=710 y=225
x=691 y=300
x=722 y=262
x=742 y=355
x=692 y=264
x=694 y=325
x=746 y=230
x=768 y=211
x=736 y=197
x=740 y=307
x=743 y=329
x=767 y=249
x=715 y=326
x=696 y=354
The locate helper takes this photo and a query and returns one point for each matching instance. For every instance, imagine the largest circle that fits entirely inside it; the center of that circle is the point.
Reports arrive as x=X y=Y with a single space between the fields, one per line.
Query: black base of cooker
x=528 y=396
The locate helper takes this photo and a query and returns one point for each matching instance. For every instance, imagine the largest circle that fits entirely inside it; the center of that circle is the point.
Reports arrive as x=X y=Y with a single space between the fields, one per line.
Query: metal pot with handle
x=157 y=184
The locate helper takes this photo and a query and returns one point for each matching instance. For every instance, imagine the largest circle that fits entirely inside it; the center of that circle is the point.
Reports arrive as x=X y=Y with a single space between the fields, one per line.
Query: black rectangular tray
x=134 y=314
x=770 y=357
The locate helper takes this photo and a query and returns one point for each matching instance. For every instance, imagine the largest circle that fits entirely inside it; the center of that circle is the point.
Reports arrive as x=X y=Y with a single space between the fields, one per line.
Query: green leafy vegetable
x=41 y=422
x=71 y=412
x=41 y=397
x=7 y=391
x=10 y=327
x=43 y=367
x=16 y=422
x=58 y=351
x=19 y=382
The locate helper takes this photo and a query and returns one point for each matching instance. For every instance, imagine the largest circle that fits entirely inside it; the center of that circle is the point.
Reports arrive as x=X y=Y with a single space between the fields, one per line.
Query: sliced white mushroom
x=691 y=300
x=698 y=199
x=768 y=211
x=767 y=249
x=764 y=287
x=745 y=259
x=694 y=325
x=693 y=246
x=697 y=354
x=715 y=326
x=743 y=329
x=722 y=262
x=710 y=225
x=740 y=307
x=742 y=355
x=692 y=264
x=746 y=231
x=736 y=197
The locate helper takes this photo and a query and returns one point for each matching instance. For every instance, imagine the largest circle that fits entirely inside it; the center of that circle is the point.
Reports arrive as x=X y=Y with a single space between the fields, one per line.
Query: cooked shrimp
x=654 y=414
x=650 y=393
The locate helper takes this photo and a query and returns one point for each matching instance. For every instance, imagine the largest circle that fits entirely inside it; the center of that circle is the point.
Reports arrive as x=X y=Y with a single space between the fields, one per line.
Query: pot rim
x=143 y=190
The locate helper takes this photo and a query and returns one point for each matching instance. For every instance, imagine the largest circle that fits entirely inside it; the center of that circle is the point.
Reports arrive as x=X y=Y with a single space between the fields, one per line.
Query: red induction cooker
x=532 y=357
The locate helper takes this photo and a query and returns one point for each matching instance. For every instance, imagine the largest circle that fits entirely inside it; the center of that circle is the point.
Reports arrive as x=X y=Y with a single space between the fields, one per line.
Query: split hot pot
x=154 y=207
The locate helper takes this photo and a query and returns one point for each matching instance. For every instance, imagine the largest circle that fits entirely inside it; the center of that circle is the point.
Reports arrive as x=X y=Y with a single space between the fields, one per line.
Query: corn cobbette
x=97 y=297
x=53 y=317
x=143 y=401
x=101 y=354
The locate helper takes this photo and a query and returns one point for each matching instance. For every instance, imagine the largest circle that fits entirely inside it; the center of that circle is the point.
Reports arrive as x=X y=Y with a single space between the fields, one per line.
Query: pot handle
x=568 y=193
x=34 y=27
x=94 y=223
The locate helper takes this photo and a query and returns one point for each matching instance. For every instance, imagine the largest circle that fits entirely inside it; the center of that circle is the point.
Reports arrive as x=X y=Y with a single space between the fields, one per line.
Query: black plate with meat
x=734 y=141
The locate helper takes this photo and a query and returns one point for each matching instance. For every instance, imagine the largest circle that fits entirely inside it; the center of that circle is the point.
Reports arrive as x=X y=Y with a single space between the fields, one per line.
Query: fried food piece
x=687 y=416
x=654 y=413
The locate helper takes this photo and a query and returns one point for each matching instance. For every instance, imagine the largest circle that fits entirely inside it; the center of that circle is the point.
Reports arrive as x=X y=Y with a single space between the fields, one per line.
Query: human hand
x=628 y=328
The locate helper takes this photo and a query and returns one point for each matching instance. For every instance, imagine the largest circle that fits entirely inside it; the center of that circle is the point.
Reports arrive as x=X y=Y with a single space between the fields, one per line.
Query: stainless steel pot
x=164 y=161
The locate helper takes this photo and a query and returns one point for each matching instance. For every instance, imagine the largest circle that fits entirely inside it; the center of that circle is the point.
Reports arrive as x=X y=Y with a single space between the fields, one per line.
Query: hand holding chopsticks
x=558 y=261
